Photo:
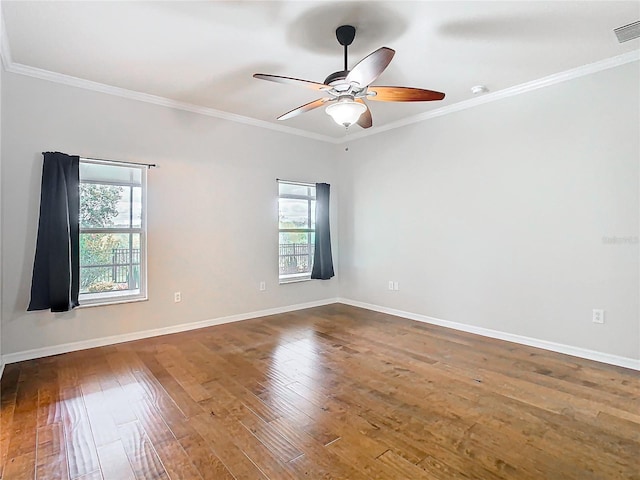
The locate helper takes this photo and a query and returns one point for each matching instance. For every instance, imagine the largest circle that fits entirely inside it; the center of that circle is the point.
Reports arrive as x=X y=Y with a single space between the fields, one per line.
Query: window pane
x=294 y=237
x=100 y=204
x=123 y=219
x=296 y=253
x=137 y=207
x=293 y=213
x=109 y=262
x=291 y=189
x=296 y=248
x=110 y=173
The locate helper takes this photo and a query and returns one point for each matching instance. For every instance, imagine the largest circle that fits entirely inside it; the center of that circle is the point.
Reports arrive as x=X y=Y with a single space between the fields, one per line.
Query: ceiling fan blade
x=291 y=81
x=365 y=120
x=370 y=67
x=403 y=94
x=304 y=108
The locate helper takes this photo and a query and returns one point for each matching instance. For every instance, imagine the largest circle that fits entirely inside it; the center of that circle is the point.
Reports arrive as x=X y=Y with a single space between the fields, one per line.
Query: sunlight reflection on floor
x=298 y=361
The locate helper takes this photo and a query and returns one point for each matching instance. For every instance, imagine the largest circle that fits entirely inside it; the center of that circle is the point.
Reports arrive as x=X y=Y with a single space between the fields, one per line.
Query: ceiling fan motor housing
x=336 y=76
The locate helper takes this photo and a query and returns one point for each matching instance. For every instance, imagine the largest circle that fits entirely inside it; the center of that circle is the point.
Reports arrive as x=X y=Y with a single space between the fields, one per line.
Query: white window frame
x=296 y=277
x=115 y=297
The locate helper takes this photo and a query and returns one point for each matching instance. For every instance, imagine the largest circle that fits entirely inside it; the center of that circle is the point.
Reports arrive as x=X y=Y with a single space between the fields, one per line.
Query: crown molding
x=547 y=81
x=69 y=80
x=12 y=67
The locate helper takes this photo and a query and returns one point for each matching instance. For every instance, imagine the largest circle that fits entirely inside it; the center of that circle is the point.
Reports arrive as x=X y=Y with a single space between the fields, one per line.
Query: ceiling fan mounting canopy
x=345 y=34
x=349 y=88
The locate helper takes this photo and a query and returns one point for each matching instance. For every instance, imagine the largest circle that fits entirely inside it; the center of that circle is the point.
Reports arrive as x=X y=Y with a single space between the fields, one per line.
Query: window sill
x=294 y=279
x=96 y=302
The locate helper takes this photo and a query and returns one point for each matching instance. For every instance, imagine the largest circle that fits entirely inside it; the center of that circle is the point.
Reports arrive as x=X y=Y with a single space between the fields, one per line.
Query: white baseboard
x=127 y=337
x=509 y=337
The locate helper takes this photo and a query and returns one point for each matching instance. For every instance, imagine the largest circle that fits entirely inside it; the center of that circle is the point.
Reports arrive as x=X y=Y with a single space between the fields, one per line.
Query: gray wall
x=495 y=216
x=1 y=156
x=212 y=208
x=491 y=217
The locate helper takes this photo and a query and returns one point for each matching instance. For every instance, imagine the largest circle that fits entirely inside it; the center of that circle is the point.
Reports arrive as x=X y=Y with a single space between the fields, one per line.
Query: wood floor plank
x=8 y=392
x=333 y=392
x=103 y=426
x=22 y=441
x=174 y=459
x=402 y=467
x=49 y=411
x=51 y=454
x=258 y=426
x=182 y=376
x=228 y=417
x=80 y=446
x=142 y=455
x=95 y=475
x=20 y=467
x=114 y=462
x=331 y=465
x=235 y=460
x=209 y=466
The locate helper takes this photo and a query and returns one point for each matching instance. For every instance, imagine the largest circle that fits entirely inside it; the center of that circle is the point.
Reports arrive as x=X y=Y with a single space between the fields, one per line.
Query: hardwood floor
x=332 y=392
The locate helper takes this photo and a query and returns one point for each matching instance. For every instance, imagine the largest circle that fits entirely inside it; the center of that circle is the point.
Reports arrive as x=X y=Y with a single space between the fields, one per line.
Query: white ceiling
x=204 y=53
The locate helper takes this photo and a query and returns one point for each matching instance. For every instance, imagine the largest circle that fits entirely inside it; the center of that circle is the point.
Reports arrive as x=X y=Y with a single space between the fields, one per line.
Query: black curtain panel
x=56 y=270
x=322 y=261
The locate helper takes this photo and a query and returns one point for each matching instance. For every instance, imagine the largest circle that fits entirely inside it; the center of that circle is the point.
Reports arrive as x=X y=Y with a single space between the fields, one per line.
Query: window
x=112 y=232
x=297 y=223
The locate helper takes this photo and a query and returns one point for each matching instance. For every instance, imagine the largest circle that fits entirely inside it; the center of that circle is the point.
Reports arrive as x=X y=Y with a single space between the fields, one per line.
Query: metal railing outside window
x=295 y=258
x=123 y=271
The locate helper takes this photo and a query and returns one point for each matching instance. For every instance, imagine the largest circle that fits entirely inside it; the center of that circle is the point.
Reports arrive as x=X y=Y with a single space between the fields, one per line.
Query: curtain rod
x=296 y=183
x=148 y=165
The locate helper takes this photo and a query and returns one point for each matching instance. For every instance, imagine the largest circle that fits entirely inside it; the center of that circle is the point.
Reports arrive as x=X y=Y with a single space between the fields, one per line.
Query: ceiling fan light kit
x=346 y=111
x=347 y=90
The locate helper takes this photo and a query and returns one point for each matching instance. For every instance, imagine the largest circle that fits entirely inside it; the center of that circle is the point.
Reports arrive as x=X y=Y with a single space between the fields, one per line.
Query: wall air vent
x=628 y=32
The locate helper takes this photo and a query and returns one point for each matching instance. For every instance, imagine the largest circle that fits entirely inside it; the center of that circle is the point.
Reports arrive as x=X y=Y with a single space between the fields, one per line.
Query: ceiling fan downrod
x=345 y=35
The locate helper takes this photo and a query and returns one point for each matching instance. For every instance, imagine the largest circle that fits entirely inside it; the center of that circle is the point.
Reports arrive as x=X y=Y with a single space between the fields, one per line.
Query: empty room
x=282 y=240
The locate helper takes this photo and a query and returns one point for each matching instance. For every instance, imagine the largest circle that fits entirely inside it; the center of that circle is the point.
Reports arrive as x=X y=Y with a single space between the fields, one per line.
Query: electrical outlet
x=263 y=286
x=390 y=284
x=598 y=315
x=177 y=297
x=396 y=286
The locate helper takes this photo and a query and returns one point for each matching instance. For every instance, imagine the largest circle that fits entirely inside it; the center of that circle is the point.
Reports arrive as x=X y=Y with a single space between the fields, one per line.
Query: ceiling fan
x=346 y=90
